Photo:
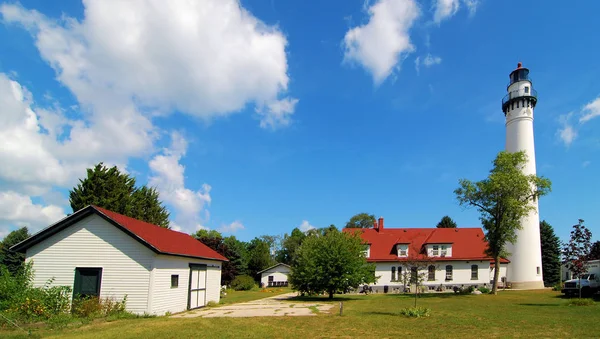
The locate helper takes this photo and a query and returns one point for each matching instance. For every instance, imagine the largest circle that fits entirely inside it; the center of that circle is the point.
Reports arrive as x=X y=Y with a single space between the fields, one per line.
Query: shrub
x=484 y=290
x=98 y=307
x=558 y=287
x=415 y=312
x=580 y=302
x=243 y=283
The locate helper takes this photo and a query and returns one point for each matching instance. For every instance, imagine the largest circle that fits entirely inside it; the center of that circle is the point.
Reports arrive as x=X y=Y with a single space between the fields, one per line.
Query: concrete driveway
x=277 y=306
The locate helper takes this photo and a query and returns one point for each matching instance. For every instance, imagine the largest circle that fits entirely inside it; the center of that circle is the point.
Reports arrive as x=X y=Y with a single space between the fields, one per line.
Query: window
x=474 y=272
x=539 y=270
x=414 y=275
x=271 y=278
x=87 y=282
x=174 y=280
x=431 y=273
x=526 y=89
x=393 y=273
x=403 y=252
x=436 y=250
x=449 y=272
x=399 y=273
x=444 y=251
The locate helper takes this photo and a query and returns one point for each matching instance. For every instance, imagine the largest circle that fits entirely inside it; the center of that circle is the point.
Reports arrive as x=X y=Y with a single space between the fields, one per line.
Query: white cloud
x=428 y=61
x=205 y=58
x=17 y=209
x=590 y=111
x=306 y=226
x=232 y=228
x=379 y=45
x=471 y=6
x=586 y=163
x=167 y=175
x=567 y=133
x=125 y=63
x=445 y=9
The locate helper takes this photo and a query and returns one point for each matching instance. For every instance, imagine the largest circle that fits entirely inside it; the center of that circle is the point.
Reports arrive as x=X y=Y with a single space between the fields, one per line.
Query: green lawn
x=522 y=314
x=234 y=297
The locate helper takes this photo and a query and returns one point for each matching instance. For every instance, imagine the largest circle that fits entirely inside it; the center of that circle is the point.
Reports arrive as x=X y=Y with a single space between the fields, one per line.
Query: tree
x=595 y=251
x=213 y=239
x=577 y=251
x=446 y=222
x=109 y=188
x=289 y=245
x=503 y=199
x=414 y=270
x=259 y=256
x=331 y=263
x=10 y=259
x=361 y=220
x=550 y=254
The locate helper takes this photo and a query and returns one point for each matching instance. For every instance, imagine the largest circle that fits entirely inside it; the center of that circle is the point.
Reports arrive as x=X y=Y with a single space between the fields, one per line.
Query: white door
x=197 y=297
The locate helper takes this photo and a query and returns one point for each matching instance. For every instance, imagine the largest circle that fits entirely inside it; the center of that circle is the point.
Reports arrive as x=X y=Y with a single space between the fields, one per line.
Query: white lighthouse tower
x=525 y=268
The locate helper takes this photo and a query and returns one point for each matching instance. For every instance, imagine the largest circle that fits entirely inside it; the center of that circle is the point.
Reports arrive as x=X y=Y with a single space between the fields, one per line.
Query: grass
x=235 y=297
x=509 y=314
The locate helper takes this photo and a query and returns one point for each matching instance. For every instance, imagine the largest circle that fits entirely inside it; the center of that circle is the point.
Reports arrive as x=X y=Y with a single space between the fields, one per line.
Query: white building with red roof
x=108 y=255
x=446 y=257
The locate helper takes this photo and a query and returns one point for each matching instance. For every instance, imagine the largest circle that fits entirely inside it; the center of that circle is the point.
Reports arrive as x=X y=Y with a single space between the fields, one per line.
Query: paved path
x=277 y=306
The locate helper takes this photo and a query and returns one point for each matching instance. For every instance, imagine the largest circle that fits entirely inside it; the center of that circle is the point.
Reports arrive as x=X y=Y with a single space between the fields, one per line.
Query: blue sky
x=258 y=117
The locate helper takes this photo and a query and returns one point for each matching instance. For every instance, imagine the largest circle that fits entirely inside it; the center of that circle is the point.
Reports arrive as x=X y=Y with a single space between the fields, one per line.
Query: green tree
x=550 y=254
x=289 y=244
x=10 y=259
x=595 y=251
x=361 y=220
x=259 y=256
x=331 y=263
x=213 y=239
x=109 y=188
x=446 y=222
x=503 y=199
x=241 y=257
x=576 y=252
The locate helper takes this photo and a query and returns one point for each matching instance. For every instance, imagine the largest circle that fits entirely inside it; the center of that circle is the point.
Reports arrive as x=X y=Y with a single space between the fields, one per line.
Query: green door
x=87 y=282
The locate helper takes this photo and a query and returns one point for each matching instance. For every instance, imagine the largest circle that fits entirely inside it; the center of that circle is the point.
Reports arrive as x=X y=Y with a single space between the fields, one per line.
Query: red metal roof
x=467 y=243
x=163 y=240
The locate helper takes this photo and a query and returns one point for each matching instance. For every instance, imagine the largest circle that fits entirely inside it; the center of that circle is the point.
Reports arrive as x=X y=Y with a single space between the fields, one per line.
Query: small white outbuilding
x=274 y=276
x=105 y=254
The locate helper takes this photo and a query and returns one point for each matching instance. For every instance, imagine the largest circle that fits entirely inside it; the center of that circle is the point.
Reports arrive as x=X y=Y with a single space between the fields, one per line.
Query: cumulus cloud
x=18 y=210
x=567 y=132
x=306 y=226
x=445 y=9
x=380 y=45
x=232 y=228
x=125 y=63
x=167 y=175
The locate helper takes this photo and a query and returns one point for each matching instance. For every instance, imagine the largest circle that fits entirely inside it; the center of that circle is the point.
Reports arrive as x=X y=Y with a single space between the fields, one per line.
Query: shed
x=276 y=275
x=101 y=253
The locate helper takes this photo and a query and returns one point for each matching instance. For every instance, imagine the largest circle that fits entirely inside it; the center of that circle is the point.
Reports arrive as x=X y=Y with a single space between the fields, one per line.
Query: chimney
x=380 y=224
x=375 y=226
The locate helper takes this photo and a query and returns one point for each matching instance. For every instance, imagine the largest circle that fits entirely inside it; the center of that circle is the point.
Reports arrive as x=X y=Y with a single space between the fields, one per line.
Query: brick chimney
x=375 y=226
x=380 y=224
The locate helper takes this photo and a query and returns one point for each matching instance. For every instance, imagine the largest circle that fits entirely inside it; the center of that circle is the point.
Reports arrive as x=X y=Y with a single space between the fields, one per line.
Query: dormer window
x=402 y=250
x=367 y=251
x=444 y=251
x=436 y=250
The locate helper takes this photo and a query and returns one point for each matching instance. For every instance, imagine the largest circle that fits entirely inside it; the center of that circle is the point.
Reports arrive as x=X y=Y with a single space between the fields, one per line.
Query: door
x=87 y=282
x=197 y=294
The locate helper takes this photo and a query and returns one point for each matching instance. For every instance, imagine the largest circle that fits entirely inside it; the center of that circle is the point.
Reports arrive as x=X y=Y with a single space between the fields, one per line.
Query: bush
x=96 y=307
x=243 y=283
x=558 y=287
x=415 y=312
x=580 y=302
x=484 y=290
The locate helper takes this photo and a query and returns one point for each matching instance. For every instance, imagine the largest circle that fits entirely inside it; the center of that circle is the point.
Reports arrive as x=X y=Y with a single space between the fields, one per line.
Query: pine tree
x=446 y=222
x=115 y=191
x=550 y=254
x=10 y=259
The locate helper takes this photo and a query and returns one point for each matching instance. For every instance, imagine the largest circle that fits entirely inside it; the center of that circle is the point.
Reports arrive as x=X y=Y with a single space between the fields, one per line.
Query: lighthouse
x=525 y=268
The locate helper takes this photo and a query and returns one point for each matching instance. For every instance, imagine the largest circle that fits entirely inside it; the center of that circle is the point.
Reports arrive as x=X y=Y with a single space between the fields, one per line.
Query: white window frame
x=435 y=251
x=443 y=251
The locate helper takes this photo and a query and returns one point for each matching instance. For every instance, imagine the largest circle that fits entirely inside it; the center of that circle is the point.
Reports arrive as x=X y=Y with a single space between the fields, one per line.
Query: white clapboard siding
x=93 y=242
x=279 y=273
x=164 y=298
